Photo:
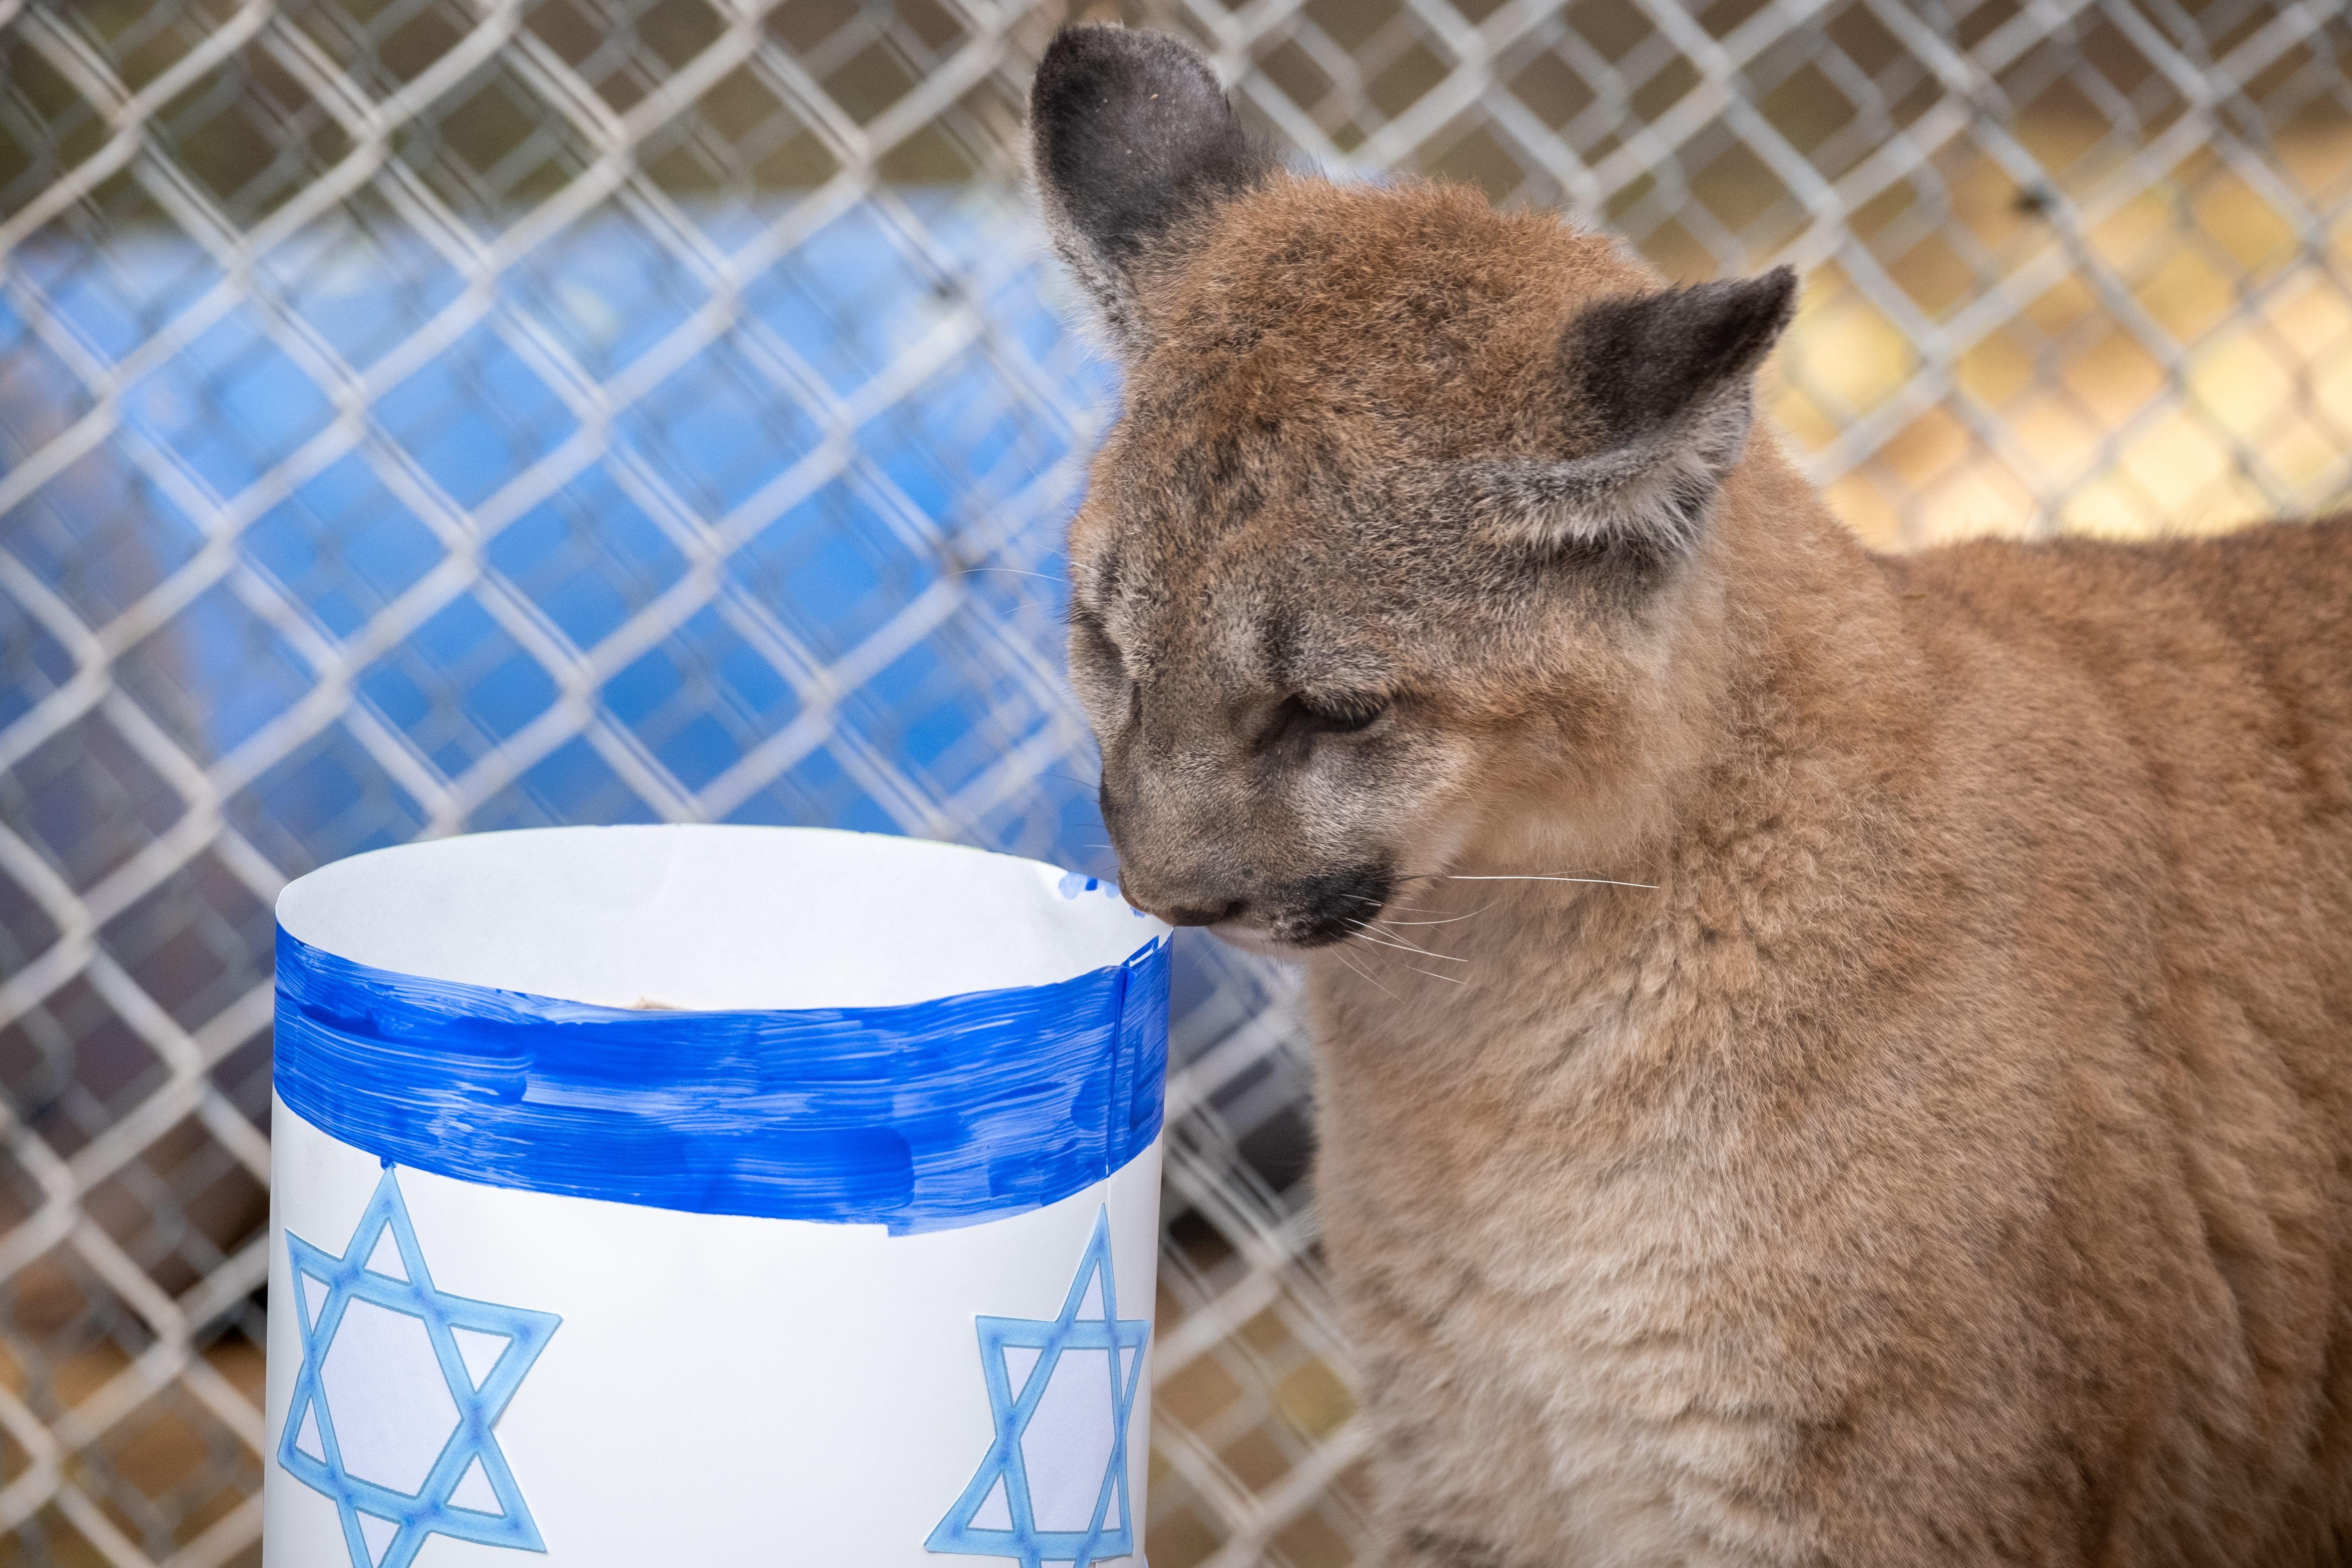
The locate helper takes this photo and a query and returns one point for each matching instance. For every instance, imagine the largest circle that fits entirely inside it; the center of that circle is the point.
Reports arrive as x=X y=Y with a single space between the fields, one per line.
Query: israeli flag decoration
x=710 y=1194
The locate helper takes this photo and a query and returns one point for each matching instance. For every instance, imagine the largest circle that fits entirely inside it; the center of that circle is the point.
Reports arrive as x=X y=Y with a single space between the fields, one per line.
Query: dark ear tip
x=1756 y=311
x=1105 y=55
x=1765 y=303
x=1080 y=42
x=1068 y=57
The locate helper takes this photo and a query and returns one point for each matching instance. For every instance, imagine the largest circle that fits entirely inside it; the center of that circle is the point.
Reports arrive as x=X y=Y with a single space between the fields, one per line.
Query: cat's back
x=2156 y=741
x=2135 y=791
x=2218 y=670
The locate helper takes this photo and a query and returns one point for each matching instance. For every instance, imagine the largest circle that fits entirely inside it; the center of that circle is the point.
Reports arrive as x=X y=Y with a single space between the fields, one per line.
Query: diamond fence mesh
x=425 y=416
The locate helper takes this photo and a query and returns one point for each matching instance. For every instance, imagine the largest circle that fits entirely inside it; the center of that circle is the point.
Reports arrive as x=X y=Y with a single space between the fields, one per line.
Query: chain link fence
x=428 y=416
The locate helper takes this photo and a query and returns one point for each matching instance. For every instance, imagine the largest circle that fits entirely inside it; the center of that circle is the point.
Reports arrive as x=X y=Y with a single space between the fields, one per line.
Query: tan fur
x=1950 y=1161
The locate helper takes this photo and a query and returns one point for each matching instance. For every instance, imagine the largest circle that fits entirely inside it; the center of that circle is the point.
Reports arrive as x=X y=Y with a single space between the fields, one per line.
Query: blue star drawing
x=1054 y=1486
x=399 y=1388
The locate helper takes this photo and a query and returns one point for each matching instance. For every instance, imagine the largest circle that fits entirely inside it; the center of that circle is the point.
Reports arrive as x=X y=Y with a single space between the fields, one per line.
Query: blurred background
x=428 y=416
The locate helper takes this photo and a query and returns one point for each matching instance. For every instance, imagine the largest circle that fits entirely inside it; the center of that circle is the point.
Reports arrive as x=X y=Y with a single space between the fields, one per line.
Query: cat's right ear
x=1128 y=134
x=1662 y=385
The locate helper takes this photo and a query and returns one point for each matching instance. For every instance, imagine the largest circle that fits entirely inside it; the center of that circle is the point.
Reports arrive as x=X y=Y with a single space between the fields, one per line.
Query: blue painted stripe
x=922 y=1117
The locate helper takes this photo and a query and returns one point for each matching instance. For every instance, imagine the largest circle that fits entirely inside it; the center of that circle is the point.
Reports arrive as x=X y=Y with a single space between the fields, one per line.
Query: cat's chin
x=1256 y=939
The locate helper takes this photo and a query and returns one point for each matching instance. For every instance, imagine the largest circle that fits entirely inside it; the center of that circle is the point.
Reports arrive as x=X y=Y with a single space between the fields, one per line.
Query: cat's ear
x=1129 y=134
x=1663 y=385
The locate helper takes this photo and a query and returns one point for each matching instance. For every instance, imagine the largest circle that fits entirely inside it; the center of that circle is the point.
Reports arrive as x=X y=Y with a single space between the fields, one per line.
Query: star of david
x=387 y=1361
x=1038 y=1497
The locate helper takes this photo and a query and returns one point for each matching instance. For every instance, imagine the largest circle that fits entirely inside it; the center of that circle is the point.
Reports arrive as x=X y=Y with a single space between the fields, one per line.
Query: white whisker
x=1378 y=904
x=1012 y=572
x=1415 y=967
x=1383 y=942
x=1457 y=877
x=1365 y=977
x=1411 y=947
x=1481 y=910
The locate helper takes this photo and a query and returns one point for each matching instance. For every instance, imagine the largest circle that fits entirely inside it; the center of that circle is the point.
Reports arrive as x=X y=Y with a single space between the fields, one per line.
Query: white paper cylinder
x=710 y=1195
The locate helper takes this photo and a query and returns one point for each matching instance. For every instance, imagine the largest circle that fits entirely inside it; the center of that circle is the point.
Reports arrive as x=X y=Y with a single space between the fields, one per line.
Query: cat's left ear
x=1129 y=134
x=1664 y=383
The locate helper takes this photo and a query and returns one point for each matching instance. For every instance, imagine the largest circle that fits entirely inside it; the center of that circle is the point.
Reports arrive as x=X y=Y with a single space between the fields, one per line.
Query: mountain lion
x=1926 y=1137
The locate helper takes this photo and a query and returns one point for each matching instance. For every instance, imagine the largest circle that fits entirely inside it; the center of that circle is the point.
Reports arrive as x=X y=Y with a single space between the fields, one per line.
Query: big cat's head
x=1399 y=514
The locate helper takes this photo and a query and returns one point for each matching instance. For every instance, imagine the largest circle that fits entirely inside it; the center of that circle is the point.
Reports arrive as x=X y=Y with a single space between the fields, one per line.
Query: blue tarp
x=963 y=463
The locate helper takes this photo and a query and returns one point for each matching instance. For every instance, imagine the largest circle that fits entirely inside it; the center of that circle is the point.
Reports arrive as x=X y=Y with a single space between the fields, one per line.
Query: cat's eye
x=1343 y=715
x=1301 y=718
x=1097 y=667
x=1089 y=627
x=1095 y=640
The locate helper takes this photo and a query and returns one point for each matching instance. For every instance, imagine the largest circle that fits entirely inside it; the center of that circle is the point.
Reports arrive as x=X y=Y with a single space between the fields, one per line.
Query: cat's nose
x=1191 y=914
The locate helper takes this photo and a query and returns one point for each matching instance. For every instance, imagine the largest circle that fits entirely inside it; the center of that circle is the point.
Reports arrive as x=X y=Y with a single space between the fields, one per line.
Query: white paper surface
x=709 y=918
x=722 y=1390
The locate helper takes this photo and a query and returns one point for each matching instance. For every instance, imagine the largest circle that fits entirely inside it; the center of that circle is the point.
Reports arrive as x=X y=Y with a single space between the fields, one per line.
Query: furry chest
x=1567 y=1341
x=1595 y=1388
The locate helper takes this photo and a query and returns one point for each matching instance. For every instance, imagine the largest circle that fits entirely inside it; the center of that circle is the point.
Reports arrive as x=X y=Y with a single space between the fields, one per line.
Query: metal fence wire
x=423 y=416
